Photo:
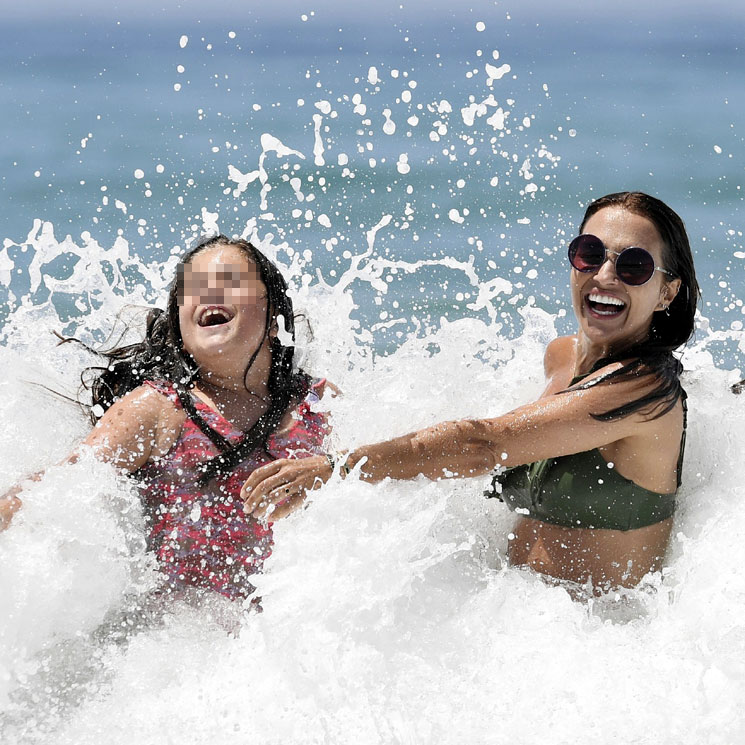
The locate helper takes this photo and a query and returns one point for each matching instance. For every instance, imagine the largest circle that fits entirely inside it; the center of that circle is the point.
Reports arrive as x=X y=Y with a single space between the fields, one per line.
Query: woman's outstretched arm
x=557 y=425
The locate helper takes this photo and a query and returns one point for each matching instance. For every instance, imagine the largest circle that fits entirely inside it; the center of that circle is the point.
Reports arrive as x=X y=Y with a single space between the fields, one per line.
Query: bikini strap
x=683 y=400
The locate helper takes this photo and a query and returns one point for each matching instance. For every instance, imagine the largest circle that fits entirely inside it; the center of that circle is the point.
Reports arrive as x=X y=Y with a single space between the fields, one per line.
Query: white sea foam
x=389 y=613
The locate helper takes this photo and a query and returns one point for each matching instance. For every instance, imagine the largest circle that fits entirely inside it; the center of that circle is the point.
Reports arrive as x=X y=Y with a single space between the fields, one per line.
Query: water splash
x=389 y=609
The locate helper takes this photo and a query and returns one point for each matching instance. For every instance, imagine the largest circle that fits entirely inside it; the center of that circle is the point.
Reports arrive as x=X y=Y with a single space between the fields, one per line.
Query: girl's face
x=611 y=314
x=222 y=309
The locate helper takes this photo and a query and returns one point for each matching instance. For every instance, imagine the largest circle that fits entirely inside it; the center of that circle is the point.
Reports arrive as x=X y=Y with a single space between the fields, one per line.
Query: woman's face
x=222 y=309
x=611 y=314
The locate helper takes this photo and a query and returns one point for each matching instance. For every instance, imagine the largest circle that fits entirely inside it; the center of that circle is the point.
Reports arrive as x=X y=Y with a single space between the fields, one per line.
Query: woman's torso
x=603 y=514
x=200 y=534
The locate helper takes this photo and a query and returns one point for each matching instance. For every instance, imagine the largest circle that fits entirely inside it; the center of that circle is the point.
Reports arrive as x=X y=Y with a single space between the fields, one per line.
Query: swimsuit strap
x=683 y=399
x=187 y=401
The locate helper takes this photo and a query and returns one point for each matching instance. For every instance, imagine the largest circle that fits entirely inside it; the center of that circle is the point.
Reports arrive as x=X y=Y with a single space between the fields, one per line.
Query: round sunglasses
x=634 y=265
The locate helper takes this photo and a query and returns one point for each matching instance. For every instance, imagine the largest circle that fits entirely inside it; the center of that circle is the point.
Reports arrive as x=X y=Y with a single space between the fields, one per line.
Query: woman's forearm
x=447 y=450
x=550 y=427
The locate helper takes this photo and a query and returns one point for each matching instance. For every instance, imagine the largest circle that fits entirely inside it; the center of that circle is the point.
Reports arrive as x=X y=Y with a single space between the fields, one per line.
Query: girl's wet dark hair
x=670 y=329
x=161 y=356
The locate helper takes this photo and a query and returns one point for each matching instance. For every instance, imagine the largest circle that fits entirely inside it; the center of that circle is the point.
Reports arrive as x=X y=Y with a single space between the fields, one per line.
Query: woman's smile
x=604 y=305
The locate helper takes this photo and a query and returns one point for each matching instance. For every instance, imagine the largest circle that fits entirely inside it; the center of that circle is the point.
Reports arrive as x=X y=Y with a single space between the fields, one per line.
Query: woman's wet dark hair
x=161 y=356
x=670 y=329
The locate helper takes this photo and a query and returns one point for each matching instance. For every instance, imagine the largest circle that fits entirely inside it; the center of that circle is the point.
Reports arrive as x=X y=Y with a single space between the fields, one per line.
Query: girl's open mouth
x=215 y=315
x=604 y=305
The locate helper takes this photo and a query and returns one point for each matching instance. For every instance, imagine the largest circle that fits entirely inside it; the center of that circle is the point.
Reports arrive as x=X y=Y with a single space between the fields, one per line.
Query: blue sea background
x=641 y=96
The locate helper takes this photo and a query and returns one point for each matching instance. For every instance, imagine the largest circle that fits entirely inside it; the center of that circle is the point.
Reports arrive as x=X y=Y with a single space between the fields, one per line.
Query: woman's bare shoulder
x=558 y=364
x=612 y=391
x=559 y=353
x=323 y=386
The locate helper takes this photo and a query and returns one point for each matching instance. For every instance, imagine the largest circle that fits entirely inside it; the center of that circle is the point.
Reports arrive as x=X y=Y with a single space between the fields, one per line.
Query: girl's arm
x=9 y=505
x=550 y=427
x=130 y=431
x=126 y=435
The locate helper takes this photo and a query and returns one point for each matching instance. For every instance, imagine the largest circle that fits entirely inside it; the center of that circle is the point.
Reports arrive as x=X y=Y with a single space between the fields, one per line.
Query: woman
x=208 y=396
x=594 y=463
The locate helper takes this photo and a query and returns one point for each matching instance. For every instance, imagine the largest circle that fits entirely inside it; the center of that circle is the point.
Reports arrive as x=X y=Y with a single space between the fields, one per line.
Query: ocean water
x=418 y=195
x=96 y=139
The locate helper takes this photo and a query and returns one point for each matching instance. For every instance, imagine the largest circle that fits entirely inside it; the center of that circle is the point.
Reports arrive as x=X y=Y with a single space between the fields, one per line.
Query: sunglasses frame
x=617 y=254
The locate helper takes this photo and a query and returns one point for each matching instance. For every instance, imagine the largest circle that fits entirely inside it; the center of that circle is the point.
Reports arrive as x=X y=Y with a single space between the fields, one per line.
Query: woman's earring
x=667 y=310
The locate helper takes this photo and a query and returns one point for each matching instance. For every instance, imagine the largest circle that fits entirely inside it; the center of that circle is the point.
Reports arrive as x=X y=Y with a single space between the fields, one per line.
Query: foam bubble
x=402 y=165
x=389 y=126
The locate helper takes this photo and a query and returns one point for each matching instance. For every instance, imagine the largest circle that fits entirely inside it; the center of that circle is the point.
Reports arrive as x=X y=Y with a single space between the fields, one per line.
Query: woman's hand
x=279 y=488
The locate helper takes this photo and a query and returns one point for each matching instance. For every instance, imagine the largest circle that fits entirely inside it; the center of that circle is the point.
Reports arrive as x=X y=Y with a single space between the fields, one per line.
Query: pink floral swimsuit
x=200 y=535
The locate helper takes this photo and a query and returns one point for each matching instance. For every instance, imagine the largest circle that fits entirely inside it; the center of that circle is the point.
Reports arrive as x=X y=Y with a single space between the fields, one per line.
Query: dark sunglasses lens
x=635 y=266
x=586 y=253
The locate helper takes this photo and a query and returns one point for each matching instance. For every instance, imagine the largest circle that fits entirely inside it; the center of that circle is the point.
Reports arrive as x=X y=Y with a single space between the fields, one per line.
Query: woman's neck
x=240 y=404
x=587 y=353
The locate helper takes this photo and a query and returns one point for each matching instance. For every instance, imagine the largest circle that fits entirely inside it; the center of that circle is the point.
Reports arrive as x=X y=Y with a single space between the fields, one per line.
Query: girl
x=208 y=396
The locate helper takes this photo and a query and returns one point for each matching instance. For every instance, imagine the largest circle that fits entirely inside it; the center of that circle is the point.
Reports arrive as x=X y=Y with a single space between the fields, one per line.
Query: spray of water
x=390 y=612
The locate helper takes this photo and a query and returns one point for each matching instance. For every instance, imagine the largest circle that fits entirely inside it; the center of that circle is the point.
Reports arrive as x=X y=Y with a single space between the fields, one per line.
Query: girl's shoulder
x=305 y=426
x=165 y=388
x=136 y=427
x=153 y=401
x=311 y=408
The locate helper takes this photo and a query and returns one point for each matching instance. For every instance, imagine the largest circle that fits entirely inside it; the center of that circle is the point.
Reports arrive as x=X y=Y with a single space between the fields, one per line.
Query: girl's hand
x=279 y=488
x=9 y=505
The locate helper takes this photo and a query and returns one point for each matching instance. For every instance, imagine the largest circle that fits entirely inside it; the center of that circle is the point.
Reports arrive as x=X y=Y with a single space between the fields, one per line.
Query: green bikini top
x=584 y=491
